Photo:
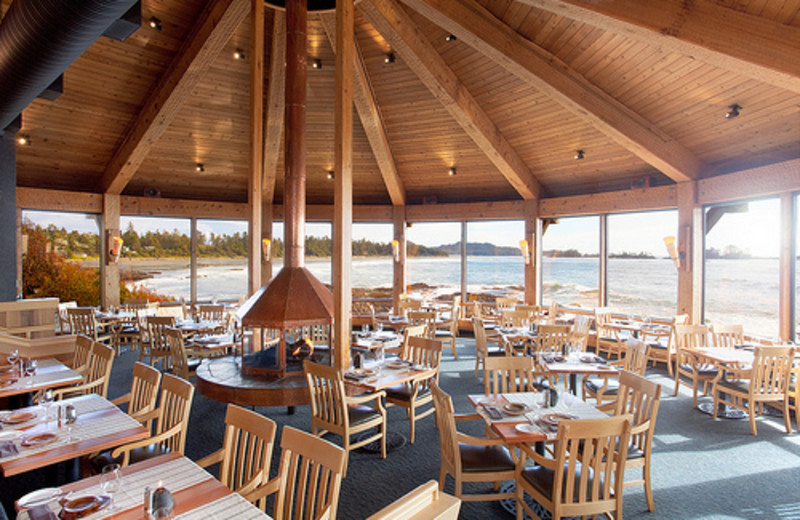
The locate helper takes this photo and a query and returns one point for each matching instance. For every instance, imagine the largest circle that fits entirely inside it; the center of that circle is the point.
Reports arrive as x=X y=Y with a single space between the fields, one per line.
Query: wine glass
x=30 y=369
x=70 y=418
x=13 y=358
x=111 y=482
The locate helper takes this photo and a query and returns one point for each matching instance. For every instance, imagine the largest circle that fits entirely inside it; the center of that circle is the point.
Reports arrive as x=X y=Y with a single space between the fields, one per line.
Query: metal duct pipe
x=39 y=39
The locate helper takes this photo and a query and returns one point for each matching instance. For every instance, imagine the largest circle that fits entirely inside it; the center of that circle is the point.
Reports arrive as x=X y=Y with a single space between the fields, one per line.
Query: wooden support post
x=787 y=261
x=463 y=261
x=533 y=243
x=343 y=184
x=399 y=263
x=109 y=267
x=602 y=292
x=255 y=180
x=193 y=264
x=690 y=251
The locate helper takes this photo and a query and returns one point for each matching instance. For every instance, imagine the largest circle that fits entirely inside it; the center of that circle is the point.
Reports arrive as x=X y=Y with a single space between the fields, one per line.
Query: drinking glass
x=379 y=327
x=381 y=359
x=45 y=401
x=70 y=417
x=30 y=369
x=13 y=358
x=111 y=482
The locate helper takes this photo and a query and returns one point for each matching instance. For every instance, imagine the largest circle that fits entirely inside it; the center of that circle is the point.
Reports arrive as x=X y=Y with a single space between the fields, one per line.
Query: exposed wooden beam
x=647 y=199
x=465 y=211
x=255 y=181
x=273 y=126
x=214 y=28
x=407 y=40
x=371 y=119
x=754 y=182
x=479 y=28
x=732 y=40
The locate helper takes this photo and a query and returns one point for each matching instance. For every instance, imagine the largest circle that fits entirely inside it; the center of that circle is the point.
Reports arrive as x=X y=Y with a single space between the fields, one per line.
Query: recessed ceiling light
x=199 y=167
x=450 y=38
x=389 y=58
x=733 y=111
x=238 y=54
x=452 y=171
x=24 y=140
x=154 y=23
x=330 y=174
x=578 y=155
x=316 y=64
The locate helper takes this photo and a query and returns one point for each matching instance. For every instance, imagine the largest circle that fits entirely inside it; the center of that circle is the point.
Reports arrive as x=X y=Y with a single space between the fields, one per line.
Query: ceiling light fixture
x=24 y=140
x=154 y=23
x=316 y=64
x=238 y=54
x=733 y=111
x=452 y=171
x=199 y=167
x=389 y=58
x=578 y=155
x=450 y=38
x=330 y=174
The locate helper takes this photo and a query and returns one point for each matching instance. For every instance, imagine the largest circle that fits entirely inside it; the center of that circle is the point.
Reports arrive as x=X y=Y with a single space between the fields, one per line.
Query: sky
x=756 y=231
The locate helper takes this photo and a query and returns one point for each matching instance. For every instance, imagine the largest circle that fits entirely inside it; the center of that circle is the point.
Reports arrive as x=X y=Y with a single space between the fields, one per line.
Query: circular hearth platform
x=221 y=379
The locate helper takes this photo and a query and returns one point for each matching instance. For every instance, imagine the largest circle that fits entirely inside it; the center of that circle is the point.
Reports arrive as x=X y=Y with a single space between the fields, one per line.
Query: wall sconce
x=114 y=246
x=526 y=252
x=396 y=250
x=331 y=174
x=266 y=249
x=672 y=250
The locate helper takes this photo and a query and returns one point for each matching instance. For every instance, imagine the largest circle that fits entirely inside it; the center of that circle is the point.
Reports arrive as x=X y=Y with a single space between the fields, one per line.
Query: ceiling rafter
x=215 y=26
x=371 y=118
x=479 y=28
x=407 y=40
x=732 y=40
x=275 y=104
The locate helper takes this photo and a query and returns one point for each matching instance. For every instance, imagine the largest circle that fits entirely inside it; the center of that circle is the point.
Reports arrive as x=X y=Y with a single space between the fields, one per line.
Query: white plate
x=10 y=435
x=40 y=496
x=526 y=428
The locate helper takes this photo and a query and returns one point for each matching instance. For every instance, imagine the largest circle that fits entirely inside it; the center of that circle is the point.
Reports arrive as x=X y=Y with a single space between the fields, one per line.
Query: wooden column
x=690 y=252
x=193 y=264
x=463 y=261
x=787 y=261
x=266 y=233
x=533 y=236
x=399 y=280
x=255 y=179
x=343 y=184
x=602 y=283
x=109 y=270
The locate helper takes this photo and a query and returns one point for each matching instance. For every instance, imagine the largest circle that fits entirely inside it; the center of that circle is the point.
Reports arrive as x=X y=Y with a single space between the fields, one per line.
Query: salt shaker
x=148 y=503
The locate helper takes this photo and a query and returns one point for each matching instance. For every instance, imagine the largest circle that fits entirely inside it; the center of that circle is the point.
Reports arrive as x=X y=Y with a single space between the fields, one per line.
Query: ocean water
x=737 y=291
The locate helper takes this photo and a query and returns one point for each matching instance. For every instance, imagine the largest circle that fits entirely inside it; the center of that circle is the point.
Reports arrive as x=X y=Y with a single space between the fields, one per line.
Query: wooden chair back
x=552 y=313
x=144 y=390
x=328 y=397
x=515 y=319
x=551 y=338
x=80 y=358
x=99 y=371
x=410 y=332
x=427 y=318
x=579 y=333
x=479 y=330
x=534 y=312
x=446 y=424
x=509 y=374
x=174 y=408
x=772 y=368
x=63 y=316
x=310 y=477
x=82 y=321
x=640 y=398
x=157 y=332
x=177 y=351
x=135 y=304
x=727 y=336
x=423 y=502
x=407 y=304
x=424 y=351
x=505 y=303
x=211 y=312
x=602 y=319
x=636 y=355
x=691 y=336
x=246 y=449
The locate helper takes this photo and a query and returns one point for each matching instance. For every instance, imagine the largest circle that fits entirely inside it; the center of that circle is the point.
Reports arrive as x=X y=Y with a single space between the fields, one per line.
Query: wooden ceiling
x=525 y=84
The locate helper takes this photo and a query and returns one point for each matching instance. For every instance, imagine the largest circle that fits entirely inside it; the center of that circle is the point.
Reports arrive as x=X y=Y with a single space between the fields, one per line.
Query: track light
x=452 y=171
x=154 y=23
x=450 y=38
x=316 y=64
x=578 y=155
x=238 y=54
x=389 y=58
x=24 y=140
x=330 y=174
x=733 y=111
x=199 y=167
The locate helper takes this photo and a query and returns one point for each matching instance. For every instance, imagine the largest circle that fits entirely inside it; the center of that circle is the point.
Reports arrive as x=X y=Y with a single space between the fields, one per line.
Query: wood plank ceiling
x=486 y=116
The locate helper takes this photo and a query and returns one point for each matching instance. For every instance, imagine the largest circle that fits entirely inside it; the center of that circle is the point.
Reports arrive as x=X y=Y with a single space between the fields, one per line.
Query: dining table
x=574 y=364
x=372 y=341
x=210 y=345
x=50 y=373
x=195 y=492
x=723 y=358
x=31 y=437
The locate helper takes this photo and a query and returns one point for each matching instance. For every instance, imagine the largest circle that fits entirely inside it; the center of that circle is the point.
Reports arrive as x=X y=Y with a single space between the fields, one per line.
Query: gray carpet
x=702 y=468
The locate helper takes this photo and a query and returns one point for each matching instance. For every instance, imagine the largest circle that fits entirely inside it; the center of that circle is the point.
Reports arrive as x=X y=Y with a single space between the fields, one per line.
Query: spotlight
x=238 y=54
x=389 y=58
x=733 y=111
x=330 y=174
x=450 y=38
x=24 y=140
x=199 y=167
x=578 y=155
x=316 y=64
x=452 y=171
x=154 y=23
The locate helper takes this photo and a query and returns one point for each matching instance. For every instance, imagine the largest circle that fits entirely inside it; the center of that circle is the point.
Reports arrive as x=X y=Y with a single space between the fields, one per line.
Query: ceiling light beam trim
x=417 y=52
x=480 y=29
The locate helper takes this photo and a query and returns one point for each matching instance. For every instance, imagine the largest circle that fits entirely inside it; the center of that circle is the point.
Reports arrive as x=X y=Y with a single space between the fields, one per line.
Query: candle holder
x=162 y=503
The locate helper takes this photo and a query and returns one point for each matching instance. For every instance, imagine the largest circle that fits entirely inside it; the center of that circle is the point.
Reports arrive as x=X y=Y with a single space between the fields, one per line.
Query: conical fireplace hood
x=293 y=298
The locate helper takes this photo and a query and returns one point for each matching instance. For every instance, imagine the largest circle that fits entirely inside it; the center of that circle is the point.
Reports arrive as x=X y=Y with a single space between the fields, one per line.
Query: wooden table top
x=573 y=365
x=196 y=492
x=392 y=376
x=725 y=356
x=50 y=373
x=100 y=426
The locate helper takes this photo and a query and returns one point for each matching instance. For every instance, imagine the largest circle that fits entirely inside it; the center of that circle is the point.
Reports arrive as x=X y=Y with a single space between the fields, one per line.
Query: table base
x=510 y=504
x=724 y=411
x=394 y=441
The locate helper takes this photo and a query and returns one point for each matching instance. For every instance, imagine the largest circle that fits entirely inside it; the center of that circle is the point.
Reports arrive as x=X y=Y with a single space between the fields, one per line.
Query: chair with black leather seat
x=604 y=389
x=416 y=394
x=662 y=342
x=96 y=376
x=509 y=374
x=332 y=410
x=142 y=398
x=448 y=330
x=687 y=365
x=182 y=365
x=156 y=347
x=482 y=348
x=584 y=478
x=609 y=339
x=467 y=458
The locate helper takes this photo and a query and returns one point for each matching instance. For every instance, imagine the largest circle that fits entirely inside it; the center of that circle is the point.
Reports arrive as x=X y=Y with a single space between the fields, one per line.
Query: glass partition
x=495 y=266
x=433 y=260
x=642 y=279
x=222 y=250
x=742 y=266
x=571 y=261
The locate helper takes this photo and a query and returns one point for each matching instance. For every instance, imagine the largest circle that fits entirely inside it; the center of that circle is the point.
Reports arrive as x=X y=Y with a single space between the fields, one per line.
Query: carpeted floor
x=702 y=468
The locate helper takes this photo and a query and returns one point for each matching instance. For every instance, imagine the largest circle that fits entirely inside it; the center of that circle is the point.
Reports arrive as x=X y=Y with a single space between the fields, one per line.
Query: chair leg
x=716 y=403
x=695 y=388
x=648 y=487
x=751 y=409
x=453 y=348
x=787 y=417
x=442 y=478
x=411 y=422
x=677 y=380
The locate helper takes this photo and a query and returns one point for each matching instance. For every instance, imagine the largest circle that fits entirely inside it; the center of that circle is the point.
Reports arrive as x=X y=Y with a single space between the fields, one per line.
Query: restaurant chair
x=510 y=374
x=663 y=343
x=606 y=387
x=211 y=312
x=450 y=331
x=579 y=333
x=427 y=318
x=332 y=410
x=171 y=422
x=609 y=341
x=156 y=347
x=412 y=331
x=182 y=365
x=246 y=451
x=82 y=321
x=794 y=394
x=468 y=458
x=640 y=398
x=551 y=339
x=63 y=316
x=406 y=305
x=482 y=348
x=515 y=319
x=422 y=352
x=80 y=357
x=687 y=365
x=127 y=332
x=309 y=478
x=141 y=400
x=505 y=303
x=535 y=312
x=584 y=478
x=727 y=336
x=552 y=313
x=95 y=377
x=424 y=502
x=767 y=381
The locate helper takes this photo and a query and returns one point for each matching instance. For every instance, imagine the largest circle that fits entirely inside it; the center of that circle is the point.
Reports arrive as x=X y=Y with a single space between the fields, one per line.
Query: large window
x=494 y=260
x=434 y=261
x=642 y=279
x=741 y=265
x=571 y=265
x=372 y=256
x=222 y=250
